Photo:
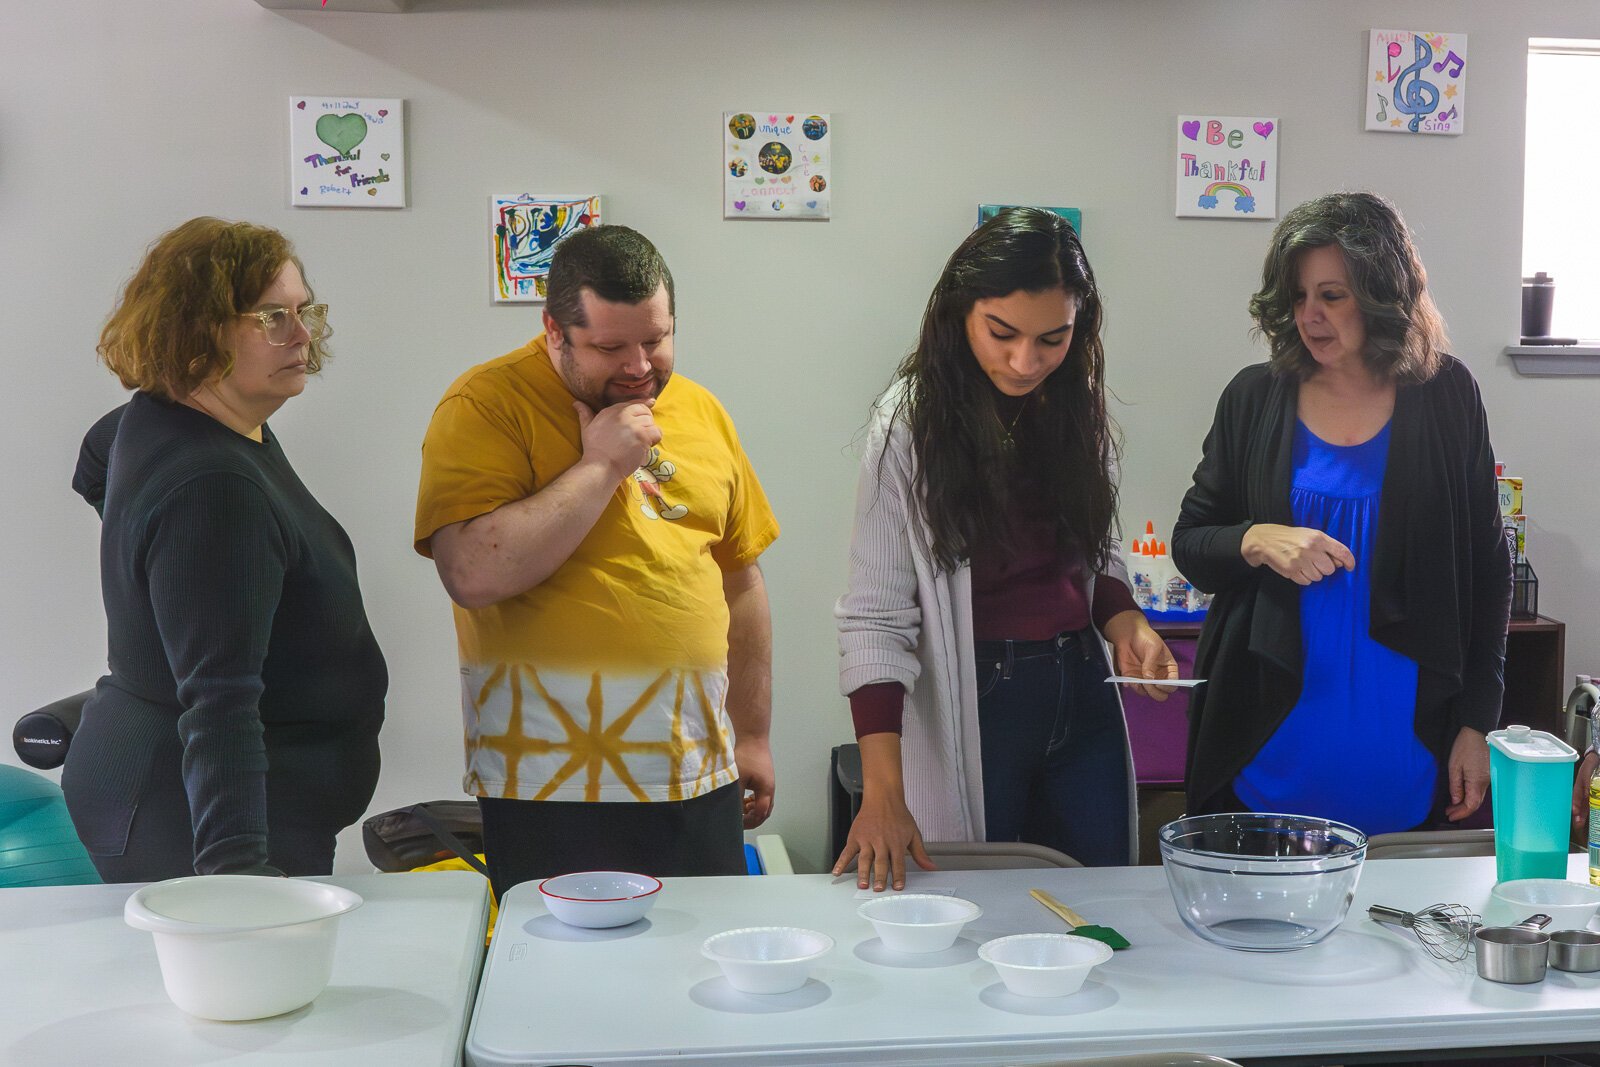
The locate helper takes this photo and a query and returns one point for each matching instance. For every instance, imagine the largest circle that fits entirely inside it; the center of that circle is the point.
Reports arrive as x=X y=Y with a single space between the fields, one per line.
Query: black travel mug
x=1538 y=301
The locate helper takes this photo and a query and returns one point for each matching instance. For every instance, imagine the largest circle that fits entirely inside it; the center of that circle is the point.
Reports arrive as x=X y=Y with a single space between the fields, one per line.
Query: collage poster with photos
x=776 y=165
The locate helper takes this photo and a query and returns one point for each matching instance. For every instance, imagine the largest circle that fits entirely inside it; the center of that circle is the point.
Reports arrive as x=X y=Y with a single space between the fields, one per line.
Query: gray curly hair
x=1406 y=337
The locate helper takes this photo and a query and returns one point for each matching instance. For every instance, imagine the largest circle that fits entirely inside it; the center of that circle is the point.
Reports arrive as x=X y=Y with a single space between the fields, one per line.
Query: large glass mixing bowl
x=1262 y=882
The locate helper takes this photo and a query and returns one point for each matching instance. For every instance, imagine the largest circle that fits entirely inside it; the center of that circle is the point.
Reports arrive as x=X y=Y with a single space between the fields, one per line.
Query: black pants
x=528 y=839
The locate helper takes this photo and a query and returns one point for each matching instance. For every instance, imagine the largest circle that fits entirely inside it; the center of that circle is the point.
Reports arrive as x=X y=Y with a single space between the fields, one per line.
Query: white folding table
x=79 y=986
x=643 y=995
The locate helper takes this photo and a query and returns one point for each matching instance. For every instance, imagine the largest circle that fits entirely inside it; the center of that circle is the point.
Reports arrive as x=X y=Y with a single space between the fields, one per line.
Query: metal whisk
x=1445 y=930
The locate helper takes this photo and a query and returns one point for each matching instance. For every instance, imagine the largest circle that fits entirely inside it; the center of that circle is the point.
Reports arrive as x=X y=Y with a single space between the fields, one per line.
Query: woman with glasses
x=985 y=579
x=237 y=730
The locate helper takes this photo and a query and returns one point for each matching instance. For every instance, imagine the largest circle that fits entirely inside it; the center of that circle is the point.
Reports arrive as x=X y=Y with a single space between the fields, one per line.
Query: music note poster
x=777 y=165
x=1227 y=167
x=1416 y=82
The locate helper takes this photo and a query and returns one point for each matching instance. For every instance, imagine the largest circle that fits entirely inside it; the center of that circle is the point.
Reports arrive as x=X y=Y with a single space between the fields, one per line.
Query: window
x=1561 y=198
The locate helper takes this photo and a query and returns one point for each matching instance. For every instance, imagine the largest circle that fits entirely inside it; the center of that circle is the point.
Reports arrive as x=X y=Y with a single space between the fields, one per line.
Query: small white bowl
x=1570 y=905
x=766 y=959
x=599 y=899
x=235 y=947
x=1044 y=965
x=918 y=922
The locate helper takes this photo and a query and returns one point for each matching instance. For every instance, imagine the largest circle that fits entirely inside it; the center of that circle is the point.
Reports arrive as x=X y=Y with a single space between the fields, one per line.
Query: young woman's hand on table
x=884 y=831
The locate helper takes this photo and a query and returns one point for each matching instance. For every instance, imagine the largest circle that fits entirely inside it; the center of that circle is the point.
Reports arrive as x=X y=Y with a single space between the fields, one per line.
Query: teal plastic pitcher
x=1530 y=776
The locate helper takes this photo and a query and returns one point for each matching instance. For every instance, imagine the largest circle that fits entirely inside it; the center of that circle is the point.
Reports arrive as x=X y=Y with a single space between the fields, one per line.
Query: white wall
x=121 y=118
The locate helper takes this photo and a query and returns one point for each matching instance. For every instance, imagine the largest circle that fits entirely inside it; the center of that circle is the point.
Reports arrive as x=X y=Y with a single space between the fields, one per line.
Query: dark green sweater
x=234 y=617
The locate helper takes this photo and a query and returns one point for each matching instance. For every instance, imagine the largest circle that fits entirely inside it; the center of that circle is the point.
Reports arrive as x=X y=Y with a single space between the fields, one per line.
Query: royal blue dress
x=1348 y=750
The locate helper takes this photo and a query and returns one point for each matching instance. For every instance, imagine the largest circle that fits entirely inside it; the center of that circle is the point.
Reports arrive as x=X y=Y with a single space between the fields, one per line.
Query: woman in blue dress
x=1345 y=515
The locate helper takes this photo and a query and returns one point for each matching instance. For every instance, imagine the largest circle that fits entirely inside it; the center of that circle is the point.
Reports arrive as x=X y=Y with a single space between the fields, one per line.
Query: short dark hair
x=166 y=336
x=616 y=263
x=1405 y=333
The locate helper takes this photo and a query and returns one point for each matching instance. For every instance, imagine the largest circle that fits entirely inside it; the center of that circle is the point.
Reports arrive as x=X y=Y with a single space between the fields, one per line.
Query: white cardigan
x=904 y=620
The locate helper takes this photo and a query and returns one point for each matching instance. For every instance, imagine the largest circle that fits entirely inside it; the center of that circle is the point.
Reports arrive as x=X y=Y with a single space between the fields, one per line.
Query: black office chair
x=41 y=736
x=844 y=795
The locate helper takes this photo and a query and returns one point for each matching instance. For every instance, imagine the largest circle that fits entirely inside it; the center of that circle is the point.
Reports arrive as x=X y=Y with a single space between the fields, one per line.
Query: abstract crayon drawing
x=1416 y=82
x=524 y=230
x=1227 y=167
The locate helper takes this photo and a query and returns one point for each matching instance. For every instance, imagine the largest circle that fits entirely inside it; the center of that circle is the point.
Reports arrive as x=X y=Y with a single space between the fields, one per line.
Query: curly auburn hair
x=167 y=335
x=1064 y=442
x=1405 y=332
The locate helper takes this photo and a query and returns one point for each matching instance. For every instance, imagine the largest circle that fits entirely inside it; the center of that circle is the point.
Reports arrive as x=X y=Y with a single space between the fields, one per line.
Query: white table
x=643 y=994
x=78 y=986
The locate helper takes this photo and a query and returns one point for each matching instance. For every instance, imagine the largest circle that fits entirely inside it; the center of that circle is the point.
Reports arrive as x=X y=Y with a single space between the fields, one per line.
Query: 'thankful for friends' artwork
x=346 y=151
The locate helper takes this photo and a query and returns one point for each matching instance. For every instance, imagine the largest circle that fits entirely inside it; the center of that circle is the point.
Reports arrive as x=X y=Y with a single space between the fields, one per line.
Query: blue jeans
x=1054 y=748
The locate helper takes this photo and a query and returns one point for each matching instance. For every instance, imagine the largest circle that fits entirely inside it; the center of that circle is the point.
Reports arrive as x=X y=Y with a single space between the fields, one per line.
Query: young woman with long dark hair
x=985 y=576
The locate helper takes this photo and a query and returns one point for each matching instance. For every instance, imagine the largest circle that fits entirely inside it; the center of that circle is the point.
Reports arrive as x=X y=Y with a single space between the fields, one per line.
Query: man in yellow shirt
x=597 y=524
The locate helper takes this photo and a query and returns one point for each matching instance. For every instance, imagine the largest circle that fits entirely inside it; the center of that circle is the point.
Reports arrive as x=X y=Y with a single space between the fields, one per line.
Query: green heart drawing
x=761 y=181
x=342 y=132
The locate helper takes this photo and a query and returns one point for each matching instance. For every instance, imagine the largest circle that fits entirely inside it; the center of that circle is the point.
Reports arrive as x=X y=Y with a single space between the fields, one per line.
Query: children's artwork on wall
x=1227 y=167
x=1073 y=216
x=524 y=230
x=1416 y=82
x=776 y=165
x=346 y=151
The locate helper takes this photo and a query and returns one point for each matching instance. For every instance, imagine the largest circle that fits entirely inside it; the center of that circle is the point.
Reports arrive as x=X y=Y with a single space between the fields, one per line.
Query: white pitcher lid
x=1527 y=745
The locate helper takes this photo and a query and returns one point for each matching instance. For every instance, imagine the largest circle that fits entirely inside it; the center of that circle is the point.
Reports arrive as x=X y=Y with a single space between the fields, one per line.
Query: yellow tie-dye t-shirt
x=608 y=680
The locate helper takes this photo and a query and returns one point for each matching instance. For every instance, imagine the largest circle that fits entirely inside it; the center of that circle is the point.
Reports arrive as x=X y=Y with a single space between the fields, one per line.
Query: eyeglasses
x=279 y=323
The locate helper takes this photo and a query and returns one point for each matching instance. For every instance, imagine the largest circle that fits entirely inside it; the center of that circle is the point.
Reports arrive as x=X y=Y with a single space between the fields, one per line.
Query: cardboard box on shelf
x=1510 y=495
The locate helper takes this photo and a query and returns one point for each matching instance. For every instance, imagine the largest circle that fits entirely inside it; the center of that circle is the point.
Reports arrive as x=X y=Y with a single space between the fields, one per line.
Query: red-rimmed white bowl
x=599 y=899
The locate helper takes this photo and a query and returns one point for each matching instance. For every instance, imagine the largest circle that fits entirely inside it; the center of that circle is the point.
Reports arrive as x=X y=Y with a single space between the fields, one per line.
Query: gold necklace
x=1010 y=444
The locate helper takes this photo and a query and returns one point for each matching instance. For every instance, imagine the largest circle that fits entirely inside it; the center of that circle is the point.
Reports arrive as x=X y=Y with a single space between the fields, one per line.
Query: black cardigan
x=1441 y=569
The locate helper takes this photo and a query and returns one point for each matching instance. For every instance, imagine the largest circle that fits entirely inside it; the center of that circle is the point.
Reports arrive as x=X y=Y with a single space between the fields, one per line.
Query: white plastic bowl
x=1570 y=905
x=235 y=947
x=599 y=899
x=918 y=922
x=1044 y=965
x=766 y=959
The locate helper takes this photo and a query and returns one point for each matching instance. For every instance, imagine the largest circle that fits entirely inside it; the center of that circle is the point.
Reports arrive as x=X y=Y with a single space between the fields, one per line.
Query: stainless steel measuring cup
x=1515 y=955
x=1575 y=950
